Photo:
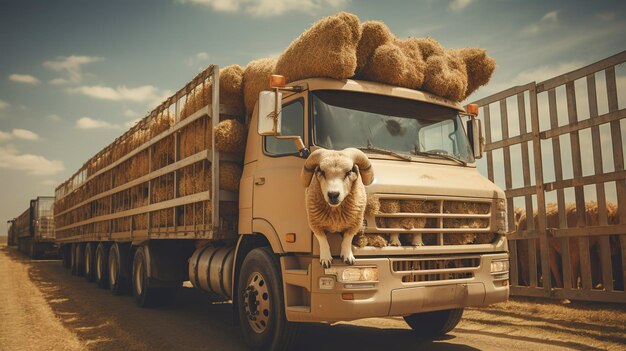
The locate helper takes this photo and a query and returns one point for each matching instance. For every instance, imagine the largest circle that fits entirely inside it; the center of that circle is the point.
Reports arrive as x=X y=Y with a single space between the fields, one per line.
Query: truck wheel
x=261 y=303
x=89 y=262
x=66 y=255
x=145 y=295
x=101 y=269
x=434 y=324
x=80 y=259
x=118 y=269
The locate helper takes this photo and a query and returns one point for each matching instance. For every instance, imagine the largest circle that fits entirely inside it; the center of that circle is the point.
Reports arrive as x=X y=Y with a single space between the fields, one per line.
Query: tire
x=66 y=256
x=261 y=305
x=76 y=261
x=101 y=266
x=118 y=269
x=144 y=294
x=434 y=324
x=79 y=257
x=88 y=262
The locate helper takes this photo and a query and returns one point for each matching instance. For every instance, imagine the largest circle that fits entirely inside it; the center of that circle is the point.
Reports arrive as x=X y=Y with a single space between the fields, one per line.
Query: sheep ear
x=310 y=165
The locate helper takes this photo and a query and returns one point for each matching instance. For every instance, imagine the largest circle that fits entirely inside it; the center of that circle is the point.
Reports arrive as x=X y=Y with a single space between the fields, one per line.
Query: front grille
x=440 y=221
x=435 y=269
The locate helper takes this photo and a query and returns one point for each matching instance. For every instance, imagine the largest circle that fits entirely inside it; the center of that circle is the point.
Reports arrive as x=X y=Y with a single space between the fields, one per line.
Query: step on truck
x=33 y=230
x=147 y=219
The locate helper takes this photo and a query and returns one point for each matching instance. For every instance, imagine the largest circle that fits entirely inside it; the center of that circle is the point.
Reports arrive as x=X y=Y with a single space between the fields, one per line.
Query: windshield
x=384 y=123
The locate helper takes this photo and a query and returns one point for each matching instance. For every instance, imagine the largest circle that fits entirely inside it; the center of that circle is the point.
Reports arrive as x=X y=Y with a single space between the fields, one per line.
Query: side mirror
x=270 y=108
x=475 y=136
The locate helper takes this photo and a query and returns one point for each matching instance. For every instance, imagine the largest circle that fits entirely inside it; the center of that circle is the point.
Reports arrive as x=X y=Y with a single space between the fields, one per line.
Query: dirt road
x=43 y=307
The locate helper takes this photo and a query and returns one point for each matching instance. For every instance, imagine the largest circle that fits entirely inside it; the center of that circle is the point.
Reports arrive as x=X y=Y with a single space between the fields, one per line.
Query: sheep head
x=336 y=172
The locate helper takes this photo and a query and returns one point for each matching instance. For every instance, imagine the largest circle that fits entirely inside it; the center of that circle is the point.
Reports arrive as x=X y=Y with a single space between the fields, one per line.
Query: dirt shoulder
x=27 y=321
x=43 y=307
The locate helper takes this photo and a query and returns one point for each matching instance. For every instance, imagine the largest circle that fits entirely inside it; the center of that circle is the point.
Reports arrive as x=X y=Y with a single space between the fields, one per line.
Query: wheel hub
x=257 y=302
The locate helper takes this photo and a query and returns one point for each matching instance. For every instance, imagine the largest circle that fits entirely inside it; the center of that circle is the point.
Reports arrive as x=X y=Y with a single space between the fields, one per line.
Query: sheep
x=335 y=197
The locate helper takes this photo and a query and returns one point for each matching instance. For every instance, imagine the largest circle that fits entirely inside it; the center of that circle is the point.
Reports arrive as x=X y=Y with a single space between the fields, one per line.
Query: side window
x=292 y=124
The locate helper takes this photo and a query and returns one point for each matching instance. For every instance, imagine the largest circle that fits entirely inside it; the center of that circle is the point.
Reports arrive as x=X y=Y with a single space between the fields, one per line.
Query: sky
x=74 y=74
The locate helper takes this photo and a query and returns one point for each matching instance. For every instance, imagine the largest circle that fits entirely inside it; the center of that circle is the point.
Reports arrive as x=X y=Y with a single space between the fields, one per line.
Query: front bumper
x=391 y=294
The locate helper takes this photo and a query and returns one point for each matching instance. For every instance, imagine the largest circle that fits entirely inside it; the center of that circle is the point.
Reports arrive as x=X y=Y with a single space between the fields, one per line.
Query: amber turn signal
x=277 y=81
x=290 y=238
x=347 y=296
x=472 y=109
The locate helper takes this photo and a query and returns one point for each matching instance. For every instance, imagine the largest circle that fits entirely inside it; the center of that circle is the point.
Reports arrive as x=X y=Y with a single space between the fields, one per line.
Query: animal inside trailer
x=572 y=224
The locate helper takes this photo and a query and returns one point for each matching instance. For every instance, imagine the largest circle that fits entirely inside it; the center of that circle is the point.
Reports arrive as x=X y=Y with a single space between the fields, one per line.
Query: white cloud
x=197 y=58
x=19 y=134
x=55 y=118
x=4 y=105
x=90 y=123
x=25 y=134
x=548 y=21
x=24 y=78
x=5 y=136
x=11 y=159
x=145 y=93
x=130 y=113
x=458 y=5
x=266 y=8
x=71 y=66
x=606 y=16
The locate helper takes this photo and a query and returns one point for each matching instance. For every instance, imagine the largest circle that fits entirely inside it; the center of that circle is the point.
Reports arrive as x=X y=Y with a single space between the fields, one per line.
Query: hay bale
x=446 y=76
x=231 y=89
x=256 y=78
x=373 y=35
x=375 y=240
x=230 y=175
x=479 y=68
x=327 y=49
x=398 y=63
x=230 y=136
x=372 y=206
x=429 y=47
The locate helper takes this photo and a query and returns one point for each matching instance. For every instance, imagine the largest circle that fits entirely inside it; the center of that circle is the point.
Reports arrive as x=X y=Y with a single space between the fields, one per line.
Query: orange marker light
x=347 y=296
x=277 y=81
x=472 y=109
x=290 y=238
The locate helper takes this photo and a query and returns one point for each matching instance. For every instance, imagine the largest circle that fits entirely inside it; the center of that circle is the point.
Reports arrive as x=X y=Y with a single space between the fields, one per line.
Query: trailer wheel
x=145 y=294
x=77 y=259
x=434 y=324
x=101 y=266
x=118 y=269
x=66 y=255
x=260 y=303
x=89 y=262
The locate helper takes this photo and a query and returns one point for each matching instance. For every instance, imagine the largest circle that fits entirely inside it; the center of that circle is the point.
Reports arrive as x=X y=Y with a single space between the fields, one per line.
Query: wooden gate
x=528 y=136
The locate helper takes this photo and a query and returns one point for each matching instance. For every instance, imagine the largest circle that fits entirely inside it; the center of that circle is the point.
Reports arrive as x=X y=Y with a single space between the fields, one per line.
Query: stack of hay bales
x=461 y=207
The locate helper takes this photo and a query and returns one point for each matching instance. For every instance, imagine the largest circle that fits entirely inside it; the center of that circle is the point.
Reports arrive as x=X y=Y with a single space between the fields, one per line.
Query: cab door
x=278 y=191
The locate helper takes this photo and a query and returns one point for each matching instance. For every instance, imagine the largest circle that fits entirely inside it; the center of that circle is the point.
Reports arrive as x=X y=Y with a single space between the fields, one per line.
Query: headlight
x=499 y=266
x=501 y=220
x=354 y=274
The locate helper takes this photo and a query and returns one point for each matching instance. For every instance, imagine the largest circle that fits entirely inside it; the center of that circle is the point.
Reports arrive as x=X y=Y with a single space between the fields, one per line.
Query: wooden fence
x=594 y=237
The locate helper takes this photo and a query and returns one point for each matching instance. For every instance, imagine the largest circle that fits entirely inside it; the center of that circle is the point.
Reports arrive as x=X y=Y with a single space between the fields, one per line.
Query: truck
x=149 y=232
x=33 y=230
x=11 y=240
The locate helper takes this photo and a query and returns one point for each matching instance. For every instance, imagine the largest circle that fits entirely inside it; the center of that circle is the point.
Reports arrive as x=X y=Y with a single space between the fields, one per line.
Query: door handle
x=259 y=181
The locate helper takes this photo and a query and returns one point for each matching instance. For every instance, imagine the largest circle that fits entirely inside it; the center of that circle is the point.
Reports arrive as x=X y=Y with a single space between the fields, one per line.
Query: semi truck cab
x=419 y=150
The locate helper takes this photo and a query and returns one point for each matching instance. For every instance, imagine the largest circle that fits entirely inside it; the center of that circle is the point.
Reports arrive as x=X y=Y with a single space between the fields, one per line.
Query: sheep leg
x=326 y=259
x=394 y=240
x=346 y=246
x=417 y=240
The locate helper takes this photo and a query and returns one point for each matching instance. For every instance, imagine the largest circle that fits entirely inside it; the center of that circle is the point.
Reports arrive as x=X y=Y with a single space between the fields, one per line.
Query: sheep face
x=336 y=176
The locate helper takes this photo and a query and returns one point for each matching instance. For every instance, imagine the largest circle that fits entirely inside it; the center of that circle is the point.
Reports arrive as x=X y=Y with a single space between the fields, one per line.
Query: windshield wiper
x=444 y=156
x=386 y=152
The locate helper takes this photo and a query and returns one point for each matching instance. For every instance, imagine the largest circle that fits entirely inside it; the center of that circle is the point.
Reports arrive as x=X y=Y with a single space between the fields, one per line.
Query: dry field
x=43 y=307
